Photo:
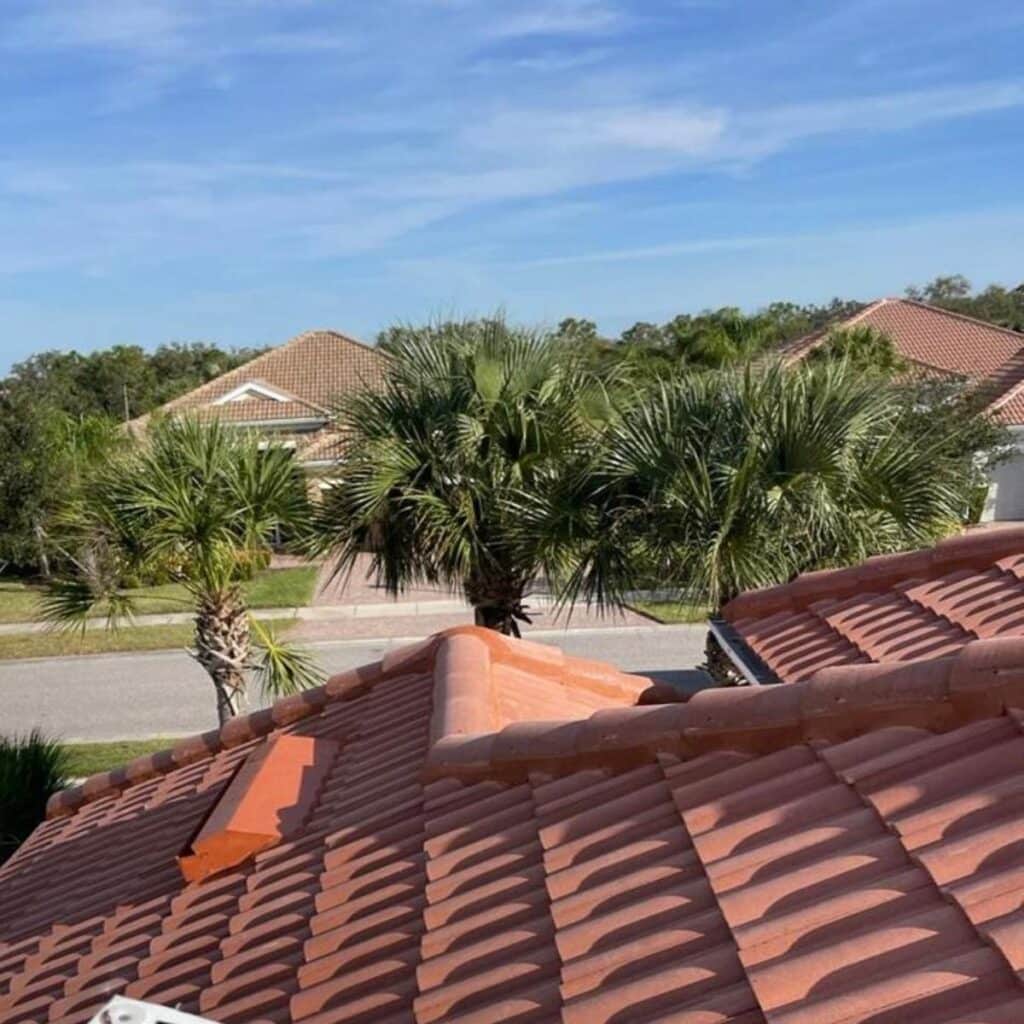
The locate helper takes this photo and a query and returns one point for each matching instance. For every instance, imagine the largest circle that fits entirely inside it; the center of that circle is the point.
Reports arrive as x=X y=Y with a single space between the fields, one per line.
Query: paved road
x=165 y=693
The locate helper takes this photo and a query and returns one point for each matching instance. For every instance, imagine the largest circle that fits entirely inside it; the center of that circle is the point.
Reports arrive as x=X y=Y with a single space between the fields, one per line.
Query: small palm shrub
x=32 y=769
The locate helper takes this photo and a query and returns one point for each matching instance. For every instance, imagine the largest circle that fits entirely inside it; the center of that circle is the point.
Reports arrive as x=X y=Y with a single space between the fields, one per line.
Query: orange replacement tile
x=268 y=800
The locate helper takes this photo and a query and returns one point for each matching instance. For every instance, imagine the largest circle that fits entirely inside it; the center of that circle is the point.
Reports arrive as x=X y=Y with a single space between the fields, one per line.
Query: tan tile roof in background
x=501 y=836
x=314 y=369
x=937 y=339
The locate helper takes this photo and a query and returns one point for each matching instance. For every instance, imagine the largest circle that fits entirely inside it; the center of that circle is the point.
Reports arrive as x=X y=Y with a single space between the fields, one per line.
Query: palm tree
x=725 y=337
x=473 y=417
x=731 y=480
x=196 y=503
x=866 y=348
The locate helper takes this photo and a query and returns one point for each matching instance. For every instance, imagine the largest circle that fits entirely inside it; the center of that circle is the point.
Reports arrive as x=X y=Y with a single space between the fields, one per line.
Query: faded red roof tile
x=905 y=607
x=840 y=849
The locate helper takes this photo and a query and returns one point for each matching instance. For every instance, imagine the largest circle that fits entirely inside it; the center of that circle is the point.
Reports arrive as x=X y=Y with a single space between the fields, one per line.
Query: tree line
x=60 y=411
x=60 y=414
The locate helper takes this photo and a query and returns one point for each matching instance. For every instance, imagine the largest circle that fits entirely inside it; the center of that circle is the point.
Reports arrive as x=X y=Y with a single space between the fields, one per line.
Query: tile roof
x=893 y=608
x=938 y=339
x=504 y=836
x=313 y=369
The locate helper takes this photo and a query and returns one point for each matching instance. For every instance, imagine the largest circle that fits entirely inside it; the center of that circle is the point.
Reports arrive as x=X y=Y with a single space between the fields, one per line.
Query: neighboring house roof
x=491 y=831
x=893 y=608
x=299 y=380
x=938 y=339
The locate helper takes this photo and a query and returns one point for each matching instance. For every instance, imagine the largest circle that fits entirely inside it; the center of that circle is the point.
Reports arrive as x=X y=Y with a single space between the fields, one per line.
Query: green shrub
x=32 y=769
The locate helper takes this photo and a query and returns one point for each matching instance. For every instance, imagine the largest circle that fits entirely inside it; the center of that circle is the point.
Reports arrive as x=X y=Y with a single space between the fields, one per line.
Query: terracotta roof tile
x=905 y=607
x=312 y=371
x=834 y=850
x=937 y=339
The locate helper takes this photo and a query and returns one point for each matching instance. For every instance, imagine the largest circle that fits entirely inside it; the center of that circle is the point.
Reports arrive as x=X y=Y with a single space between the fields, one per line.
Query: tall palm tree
x=197 y=503
x=472 y=416
x=730 y=480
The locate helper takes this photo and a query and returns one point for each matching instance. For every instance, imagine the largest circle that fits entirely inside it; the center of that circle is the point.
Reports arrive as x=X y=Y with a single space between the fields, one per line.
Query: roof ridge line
x=973 y=549
x=984 y=679
x=1011 y=392
x=961 y=316
x=540 y=659
x=206 y=385
x=258 y=360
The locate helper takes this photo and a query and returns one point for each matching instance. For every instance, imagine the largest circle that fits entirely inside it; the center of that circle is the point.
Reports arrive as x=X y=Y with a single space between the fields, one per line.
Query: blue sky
x=241 y=170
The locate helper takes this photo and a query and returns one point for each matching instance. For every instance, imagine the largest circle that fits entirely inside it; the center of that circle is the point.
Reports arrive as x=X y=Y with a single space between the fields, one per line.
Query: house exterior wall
x=1006 y=492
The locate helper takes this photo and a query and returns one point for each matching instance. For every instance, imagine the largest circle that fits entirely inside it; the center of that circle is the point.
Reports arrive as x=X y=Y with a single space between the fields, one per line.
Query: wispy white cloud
x=314 y=209
x=557 y=17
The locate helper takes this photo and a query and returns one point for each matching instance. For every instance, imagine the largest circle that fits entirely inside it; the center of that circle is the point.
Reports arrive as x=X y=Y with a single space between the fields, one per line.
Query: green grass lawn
x=18 y=602
x=273 y=588
x=89 y=758
x=673 y=612
x=51 y=644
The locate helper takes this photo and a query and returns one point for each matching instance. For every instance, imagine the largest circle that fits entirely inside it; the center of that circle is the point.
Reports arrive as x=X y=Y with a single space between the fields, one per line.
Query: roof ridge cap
x=352 y=340
x=860 y=314
x=541 y=659
x=1010 y=392
x=985 y=679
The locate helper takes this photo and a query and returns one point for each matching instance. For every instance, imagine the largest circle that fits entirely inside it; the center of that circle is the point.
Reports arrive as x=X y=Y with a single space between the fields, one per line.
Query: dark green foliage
x=199 y=503
x=96 y=382
x=473 y=417
x=996 y=304
x=728 y=480
x=864 y=348
x=48 y=454
x=58 y=414
x=32 y=769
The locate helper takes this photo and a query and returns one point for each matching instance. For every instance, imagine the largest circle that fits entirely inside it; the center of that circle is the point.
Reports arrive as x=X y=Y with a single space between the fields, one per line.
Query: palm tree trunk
x=497 y=604
x=718 y=664
x=222 y=648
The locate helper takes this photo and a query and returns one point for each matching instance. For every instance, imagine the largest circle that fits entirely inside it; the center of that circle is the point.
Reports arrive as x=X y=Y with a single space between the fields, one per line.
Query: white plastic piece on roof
x=130 y=1011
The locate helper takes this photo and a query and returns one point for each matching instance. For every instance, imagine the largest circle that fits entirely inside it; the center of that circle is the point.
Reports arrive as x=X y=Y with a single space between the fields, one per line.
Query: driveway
x=129 y=696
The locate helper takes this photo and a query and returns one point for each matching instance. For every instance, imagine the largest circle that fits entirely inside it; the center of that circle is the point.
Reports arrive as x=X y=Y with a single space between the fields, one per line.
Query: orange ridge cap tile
x=983 y=680
x=538 y=659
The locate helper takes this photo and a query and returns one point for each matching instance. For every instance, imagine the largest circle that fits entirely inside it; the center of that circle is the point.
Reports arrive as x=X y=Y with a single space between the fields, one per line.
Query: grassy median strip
x=51 y=644
x=18 y=602
x=272 y=588
x=89 y=758
x=672 y=612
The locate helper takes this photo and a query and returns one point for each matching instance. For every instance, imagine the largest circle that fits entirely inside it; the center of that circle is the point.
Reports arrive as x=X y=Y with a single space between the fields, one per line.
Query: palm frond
x=281 y=668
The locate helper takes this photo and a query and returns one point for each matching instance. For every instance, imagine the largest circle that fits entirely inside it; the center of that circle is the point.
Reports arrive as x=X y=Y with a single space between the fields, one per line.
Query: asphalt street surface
x=129 y=696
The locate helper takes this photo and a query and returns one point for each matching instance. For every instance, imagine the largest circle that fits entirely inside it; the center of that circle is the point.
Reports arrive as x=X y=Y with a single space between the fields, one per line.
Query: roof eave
x=747 y=663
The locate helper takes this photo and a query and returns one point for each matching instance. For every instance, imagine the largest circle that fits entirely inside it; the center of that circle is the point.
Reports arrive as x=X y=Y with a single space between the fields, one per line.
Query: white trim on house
x=251 y=387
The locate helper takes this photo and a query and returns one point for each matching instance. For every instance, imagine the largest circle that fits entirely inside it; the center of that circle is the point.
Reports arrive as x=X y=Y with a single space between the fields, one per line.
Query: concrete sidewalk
x=312 y=612
x=433 y=609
